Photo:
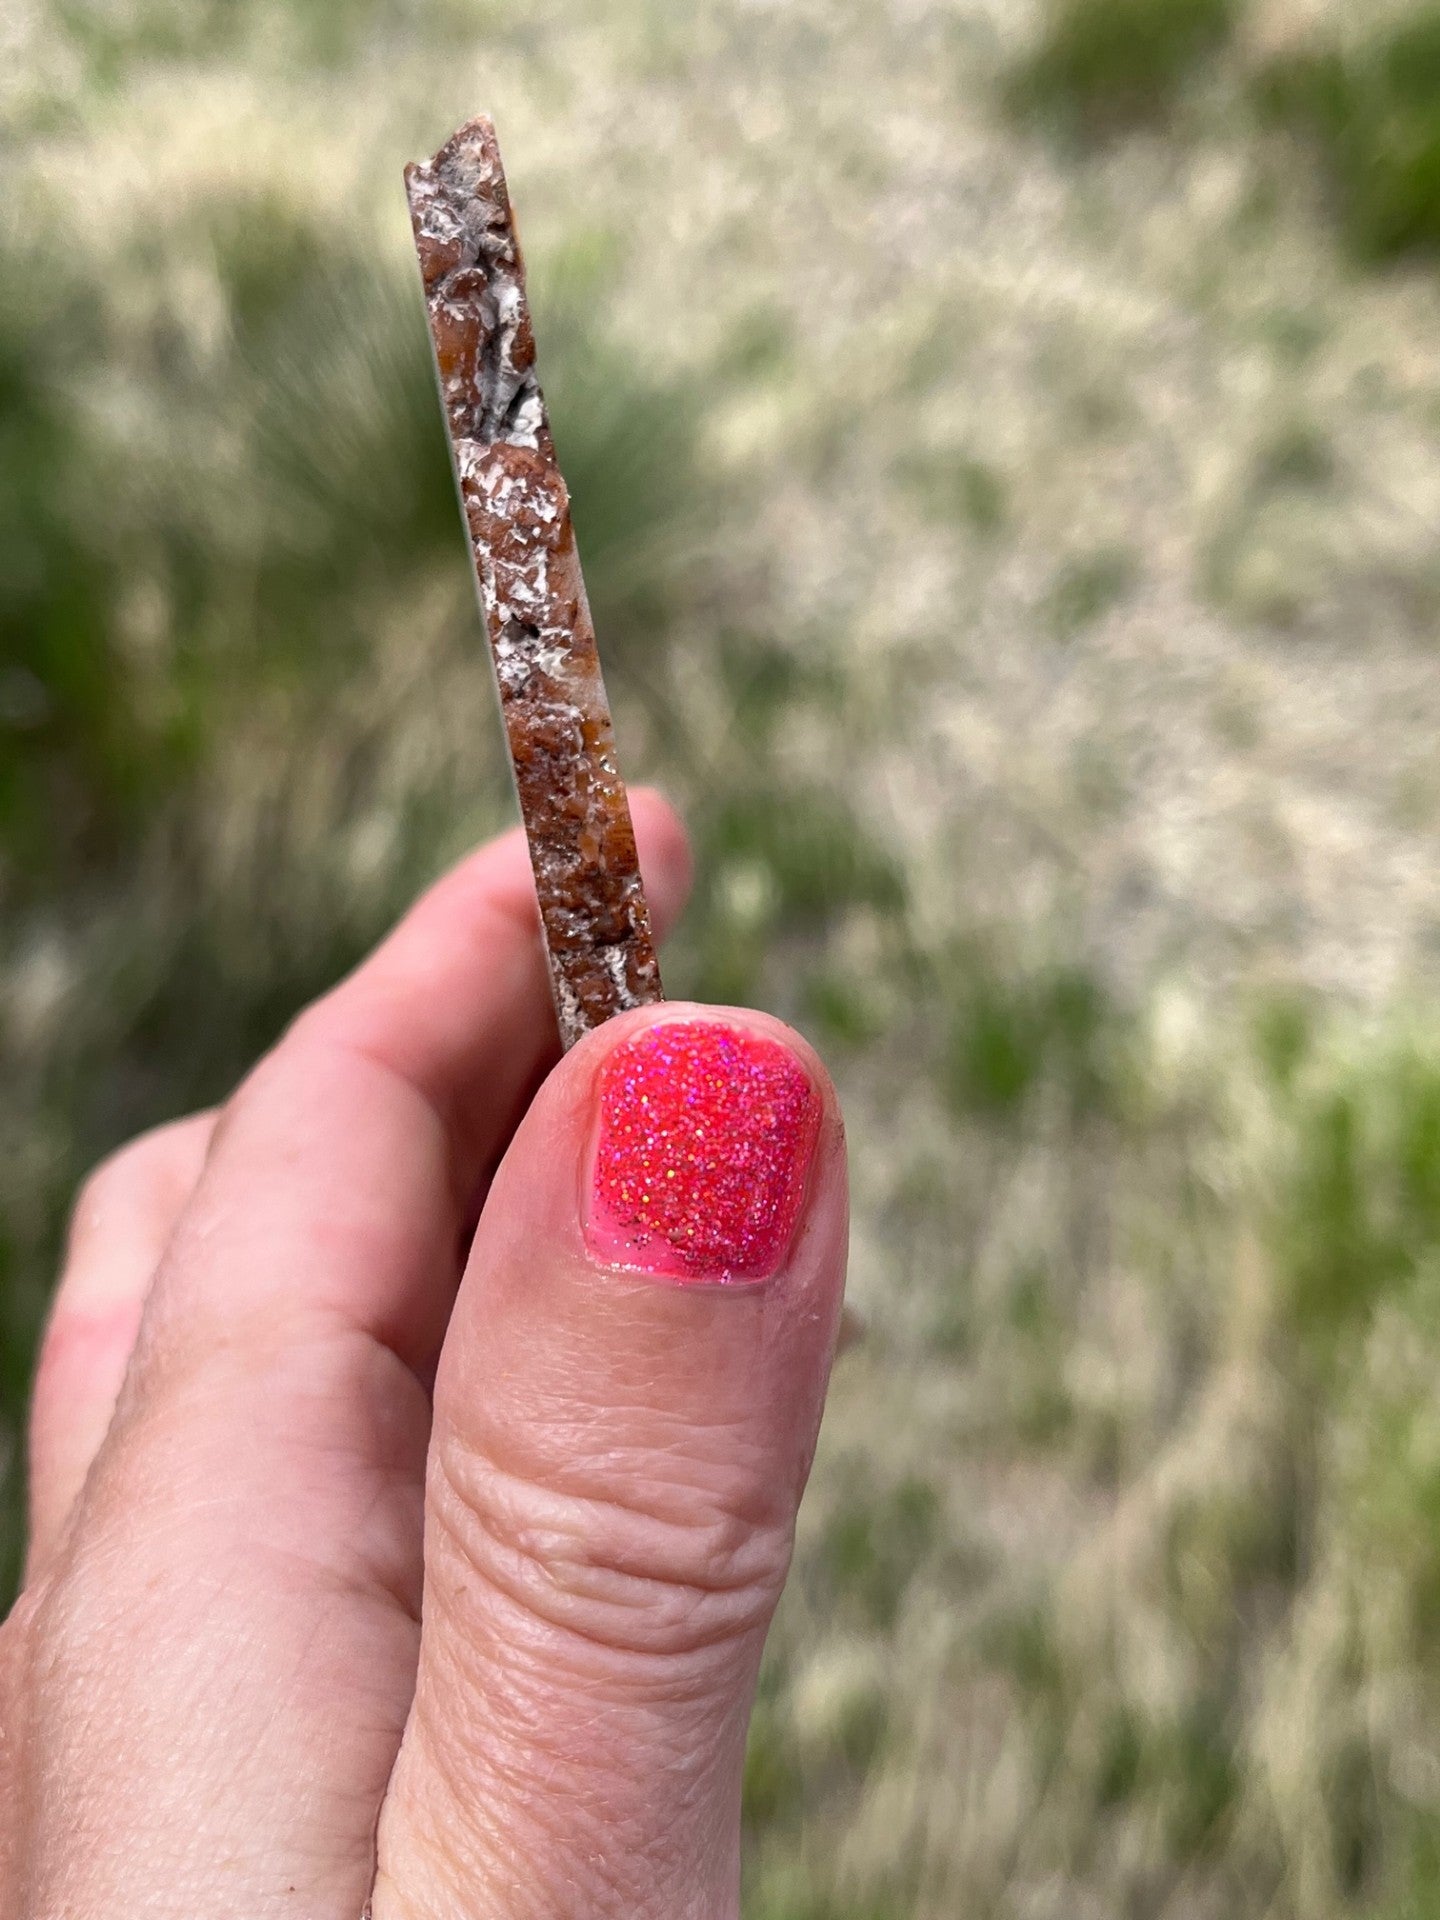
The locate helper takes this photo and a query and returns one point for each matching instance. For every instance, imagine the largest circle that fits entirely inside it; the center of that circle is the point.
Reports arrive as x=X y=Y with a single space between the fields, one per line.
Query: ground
x=1006 y=445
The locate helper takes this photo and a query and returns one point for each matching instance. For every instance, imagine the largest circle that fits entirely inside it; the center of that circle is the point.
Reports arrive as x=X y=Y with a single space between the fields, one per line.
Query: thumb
x=625 y=1415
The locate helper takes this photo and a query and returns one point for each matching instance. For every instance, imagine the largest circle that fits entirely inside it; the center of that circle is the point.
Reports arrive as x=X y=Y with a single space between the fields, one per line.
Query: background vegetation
x=1006 y=443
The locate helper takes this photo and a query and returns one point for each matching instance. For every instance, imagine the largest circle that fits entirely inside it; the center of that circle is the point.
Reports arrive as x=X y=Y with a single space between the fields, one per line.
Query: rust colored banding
x=542 y=640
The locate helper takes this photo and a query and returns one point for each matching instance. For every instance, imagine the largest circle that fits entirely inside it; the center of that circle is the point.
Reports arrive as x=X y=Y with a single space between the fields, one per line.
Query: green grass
x=118 y=43
x=1369 y=111
x=1088 y=588
x=1271 y=558
x=871 y=1549
x=1101 y=66
x=81 y=748
x=283 y=523
x=1118 y=1587
x=1014 y=1037
x=956 y=489
x=1361 y=1215
x=777 y=865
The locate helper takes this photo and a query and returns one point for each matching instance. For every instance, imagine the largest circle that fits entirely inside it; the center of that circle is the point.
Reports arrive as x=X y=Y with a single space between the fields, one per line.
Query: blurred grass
x=1118 y=1590
x=1368 y=108
x=1361 y=95
x=1100 y=66
x=287 y=508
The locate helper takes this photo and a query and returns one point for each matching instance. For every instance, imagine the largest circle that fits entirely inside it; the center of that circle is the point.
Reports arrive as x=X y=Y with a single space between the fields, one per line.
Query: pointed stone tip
x=476 y=132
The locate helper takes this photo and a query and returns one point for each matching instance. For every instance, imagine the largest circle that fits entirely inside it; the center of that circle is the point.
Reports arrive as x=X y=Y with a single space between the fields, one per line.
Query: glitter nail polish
x=706 y=1135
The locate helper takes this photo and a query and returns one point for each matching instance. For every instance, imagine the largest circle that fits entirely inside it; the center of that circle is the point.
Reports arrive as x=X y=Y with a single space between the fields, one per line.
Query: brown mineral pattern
x=517 y=511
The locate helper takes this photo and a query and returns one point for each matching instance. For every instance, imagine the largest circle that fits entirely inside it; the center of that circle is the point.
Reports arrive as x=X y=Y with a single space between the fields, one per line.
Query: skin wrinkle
x=594 y=1668
x=674 y=1577
x=707 y=1735
x=576 y=1463
x=511 y=1680
x=448 y=1834
x=569 y=1818
x=569 y=1439
x=579 y=1445
x=590 y=1669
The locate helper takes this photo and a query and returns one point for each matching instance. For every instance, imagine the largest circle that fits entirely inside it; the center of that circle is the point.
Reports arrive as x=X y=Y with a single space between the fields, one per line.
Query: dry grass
x=1019 y=561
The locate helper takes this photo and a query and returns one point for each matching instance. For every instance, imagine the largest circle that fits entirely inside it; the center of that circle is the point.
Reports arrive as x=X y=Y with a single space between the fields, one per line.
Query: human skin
x=379 y=1556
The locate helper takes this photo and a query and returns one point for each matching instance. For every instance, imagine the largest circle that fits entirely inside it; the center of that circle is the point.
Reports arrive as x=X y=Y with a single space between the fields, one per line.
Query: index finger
x=365 y=1135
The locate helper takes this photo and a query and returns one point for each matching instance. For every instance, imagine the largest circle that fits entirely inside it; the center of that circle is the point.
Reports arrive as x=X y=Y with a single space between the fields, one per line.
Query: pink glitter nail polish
x=706 y=1136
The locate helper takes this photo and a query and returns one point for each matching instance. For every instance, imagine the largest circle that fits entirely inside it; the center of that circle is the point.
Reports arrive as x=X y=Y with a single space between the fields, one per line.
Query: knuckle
x=629 y=1571
x=83 y=1352
x=271 y=1093
x=314 y=1021
x=299 y=1069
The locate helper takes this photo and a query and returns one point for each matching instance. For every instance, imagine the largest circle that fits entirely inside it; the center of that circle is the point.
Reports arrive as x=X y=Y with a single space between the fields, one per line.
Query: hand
x=266 y=1662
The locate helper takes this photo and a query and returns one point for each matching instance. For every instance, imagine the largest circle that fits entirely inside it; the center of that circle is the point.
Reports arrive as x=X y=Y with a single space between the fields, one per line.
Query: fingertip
x=134 y=1196
x=706 y=1145
x=666 y=863
x=596 y=1047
